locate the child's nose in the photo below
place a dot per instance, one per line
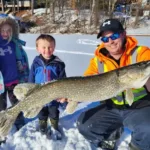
(5, 33)
(47, 49)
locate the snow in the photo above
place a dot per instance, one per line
(69, 16)
(74, 54)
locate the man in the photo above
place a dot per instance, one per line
(105, 122)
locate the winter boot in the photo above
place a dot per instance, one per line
(2, 140)
(108, 145)
(20, 121)
(43, 126)
(133, 147)
(55, 129)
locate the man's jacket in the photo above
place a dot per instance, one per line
(141, 53)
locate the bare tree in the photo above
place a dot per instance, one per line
(111, 7)
(14, 7)
(46, 6)
(18, 5)
(137, 14)
(2, 3)
(32, 7)
(94, 13)
(52, 10)
(61, 6)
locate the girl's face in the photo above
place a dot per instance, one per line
(6, 31)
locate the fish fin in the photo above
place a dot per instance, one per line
(7, 119)
(71, 106)
(24, 89)
(32, 112)
(129, 96)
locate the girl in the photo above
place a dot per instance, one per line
(13, 63)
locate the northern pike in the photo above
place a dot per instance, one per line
(76, 89)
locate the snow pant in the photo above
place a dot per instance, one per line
(13, 101)
(50, 110)
(98, 124)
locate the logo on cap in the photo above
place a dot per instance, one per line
(108, 23)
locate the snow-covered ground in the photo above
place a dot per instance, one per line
(27, 138)
(74, 51)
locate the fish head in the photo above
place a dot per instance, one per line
(136, 75)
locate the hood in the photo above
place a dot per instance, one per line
(13, 23)
(131, 43)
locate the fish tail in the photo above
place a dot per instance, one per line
(7, 120)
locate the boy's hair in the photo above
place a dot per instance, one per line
(46, 37)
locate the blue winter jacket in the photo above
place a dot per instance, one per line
(43, 71)
(13, 61)
(8, 65)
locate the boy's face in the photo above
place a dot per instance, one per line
(6, 31)
(45, 48)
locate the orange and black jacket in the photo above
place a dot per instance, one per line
(102, 56)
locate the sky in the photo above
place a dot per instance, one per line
(76, 51)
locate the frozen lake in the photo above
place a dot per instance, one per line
(75, 49)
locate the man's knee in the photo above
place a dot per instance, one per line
(144, 131)
(141, 137)
(80, 123)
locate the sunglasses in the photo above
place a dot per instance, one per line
(112, 37)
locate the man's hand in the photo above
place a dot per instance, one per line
(148, 85)
(62, 100)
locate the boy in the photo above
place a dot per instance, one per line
(47, 67)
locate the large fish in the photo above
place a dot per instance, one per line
(77, 89)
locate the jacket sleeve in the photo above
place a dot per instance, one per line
(92, 68)
(143, 54)
(62, 72)
(31, 78)
(25, 65)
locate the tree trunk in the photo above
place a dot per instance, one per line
(61, 6)
(94, 13)
(18, 5)
(32, 7)
(14, 8)
(52, 10)
(2, 2)
(137, 15)
(111, 7)
(46, 6)
(103, 5)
